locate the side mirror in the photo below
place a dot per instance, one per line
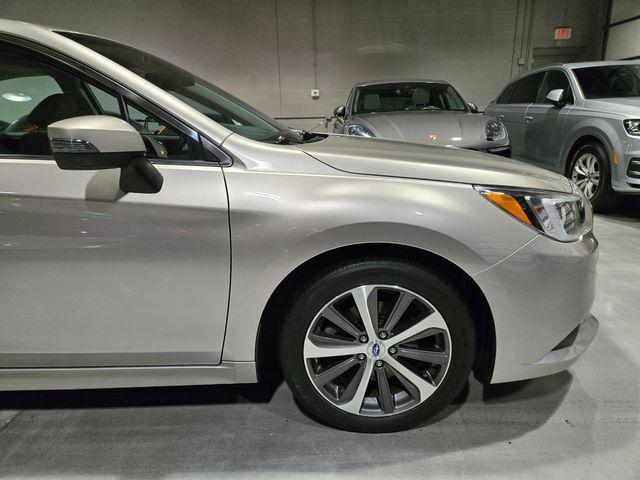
(556, 96)
(339, 112)
(98, 142)
(473, 108)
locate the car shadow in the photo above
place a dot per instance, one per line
(247, 430)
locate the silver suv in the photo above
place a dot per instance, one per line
(581, 120)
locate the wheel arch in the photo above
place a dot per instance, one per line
(592, 135)
(271, 319)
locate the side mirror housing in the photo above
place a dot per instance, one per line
(556, 97)
(473, 108)
(98, 142)
(339, 111)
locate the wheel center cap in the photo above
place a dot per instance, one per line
(376, 349)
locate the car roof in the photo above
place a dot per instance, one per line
(370, 83)
(573, 65)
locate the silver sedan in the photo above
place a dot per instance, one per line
(430, 112)
(155, 230)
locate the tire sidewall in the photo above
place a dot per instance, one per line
(440, 293)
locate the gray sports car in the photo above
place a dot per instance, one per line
(430, 112)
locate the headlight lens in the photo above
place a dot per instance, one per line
(562, 216)
(632, 127)
(495, 130)
(359, 131)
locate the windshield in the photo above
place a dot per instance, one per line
(612, 81)
(397, 97)
(208, 99)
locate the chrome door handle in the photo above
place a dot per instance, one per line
(528, 118)
(501, 116)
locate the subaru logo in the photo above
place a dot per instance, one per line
(375, 350)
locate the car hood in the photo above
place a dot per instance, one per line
(370, 156)
(430, 127)
(624, 106)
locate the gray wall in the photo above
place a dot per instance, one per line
(624, 32)
(269, 53)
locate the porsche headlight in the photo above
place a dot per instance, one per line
(359, 131)
(562, 216)
(495, 130)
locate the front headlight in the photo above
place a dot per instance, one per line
(562, 216)
(632, 127)
(494, 130)
(359, 131)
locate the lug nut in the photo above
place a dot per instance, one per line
(379, 363)
(393, 350)
(363, 339)
(383, 335)
(361, 356)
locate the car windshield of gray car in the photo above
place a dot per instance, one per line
(408, 97)
(215, 103)
(611, 81)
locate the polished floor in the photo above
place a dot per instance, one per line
(581, 424)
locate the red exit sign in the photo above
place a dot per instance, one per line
(562, 33)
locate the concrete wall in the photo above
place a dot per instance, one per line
(273, 52)
(624, 33)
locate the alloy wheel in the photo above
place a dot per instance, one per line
(586, 174)
(377, 350)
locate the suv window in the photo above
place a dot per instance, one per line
(507, 94)
(553, 80)
(526, 89)
(34, 93)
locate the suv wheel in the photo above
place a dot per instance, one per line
(591, 171)
(377, 346)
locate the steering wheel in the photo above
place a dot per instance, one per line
(156, 147)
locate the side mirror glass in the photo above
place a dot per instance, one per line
(473, 108)
(98, 142)
(556, 96)
(339, 112)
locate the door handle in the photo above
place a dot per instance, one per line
(501, 116)
(528, 118)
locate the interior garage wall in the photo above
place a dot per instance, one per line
(273, 52)
(623, 37)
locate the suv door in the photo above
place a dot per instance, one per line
(511, 107)
(544, 123)
(90, 276)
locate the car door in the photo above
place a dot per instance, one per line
(90, 276)
(511, 107)
(545, 122)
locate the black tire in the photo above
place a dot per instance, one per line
(605, 197)
(326, 286)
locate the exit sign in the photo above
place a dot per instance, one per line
(562, 33)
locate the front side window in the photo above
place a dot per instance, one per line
(407, 97)
(208, 99)
(611, 81)
(505, 97)
(34, 94)
(554, 80)
(526, 89)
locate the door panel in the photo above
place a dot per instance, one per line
(544, 123)
(90, 276)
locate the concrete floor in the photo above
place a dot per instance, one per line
(578, 424)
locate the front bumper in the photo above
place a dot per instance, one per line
(540, 297)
